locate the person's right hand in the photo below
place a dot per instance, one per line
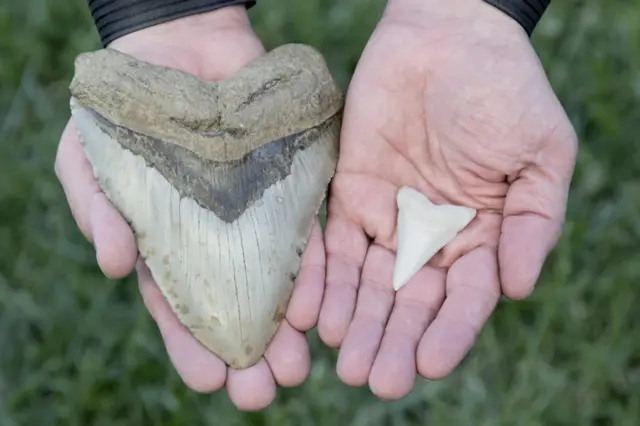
(448, 98)
(212, 46)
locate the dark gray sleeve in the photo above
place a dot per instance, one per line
(526, 12)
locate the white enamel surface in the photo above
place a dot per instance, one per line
(228, 283)
(423, 229)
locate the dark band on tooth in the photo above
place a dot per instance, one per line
(227, 188)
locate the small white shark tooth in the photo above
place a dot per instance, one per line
(220, 181)
(423, 229)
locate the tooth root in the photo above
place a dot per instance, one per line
(423, 229)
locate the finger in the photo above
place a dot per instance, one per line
(524, 245)
(375, 300)
(76, 177)
(252, 389)
(473, 291)
(346, 249)
(394, 370)
(306, 299)
(483, 229)
(534, 215)
(199, 369)
(288, 356)
(96, 218)
(116, 248)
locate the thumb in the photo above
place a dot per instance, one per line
(534, 215)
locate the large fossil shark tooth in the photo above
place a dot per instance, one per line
(220, 181)
(423, 229)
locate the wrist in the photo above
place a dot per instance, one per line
(119, 18)
(211, 45)
(518, 15)
(456, 15)
(190, 29)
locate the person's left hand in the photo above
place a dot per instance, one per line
(448, 98)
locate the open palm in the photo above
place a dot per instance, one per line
(466, 116)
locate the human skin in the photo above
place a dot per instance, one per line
(448, 98)
(212, 46)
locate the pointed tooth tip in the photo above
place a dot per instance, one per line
(399, 282)
(396, 276)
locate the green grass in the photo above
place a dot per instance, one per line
(79, 349)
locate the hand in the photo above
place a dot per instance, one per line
(450, 99)
(212, 46)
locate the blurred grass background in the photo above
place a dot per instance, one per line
(78, 349)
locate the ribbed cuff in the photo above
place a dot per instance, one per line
(115, 18)
(526, 12)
